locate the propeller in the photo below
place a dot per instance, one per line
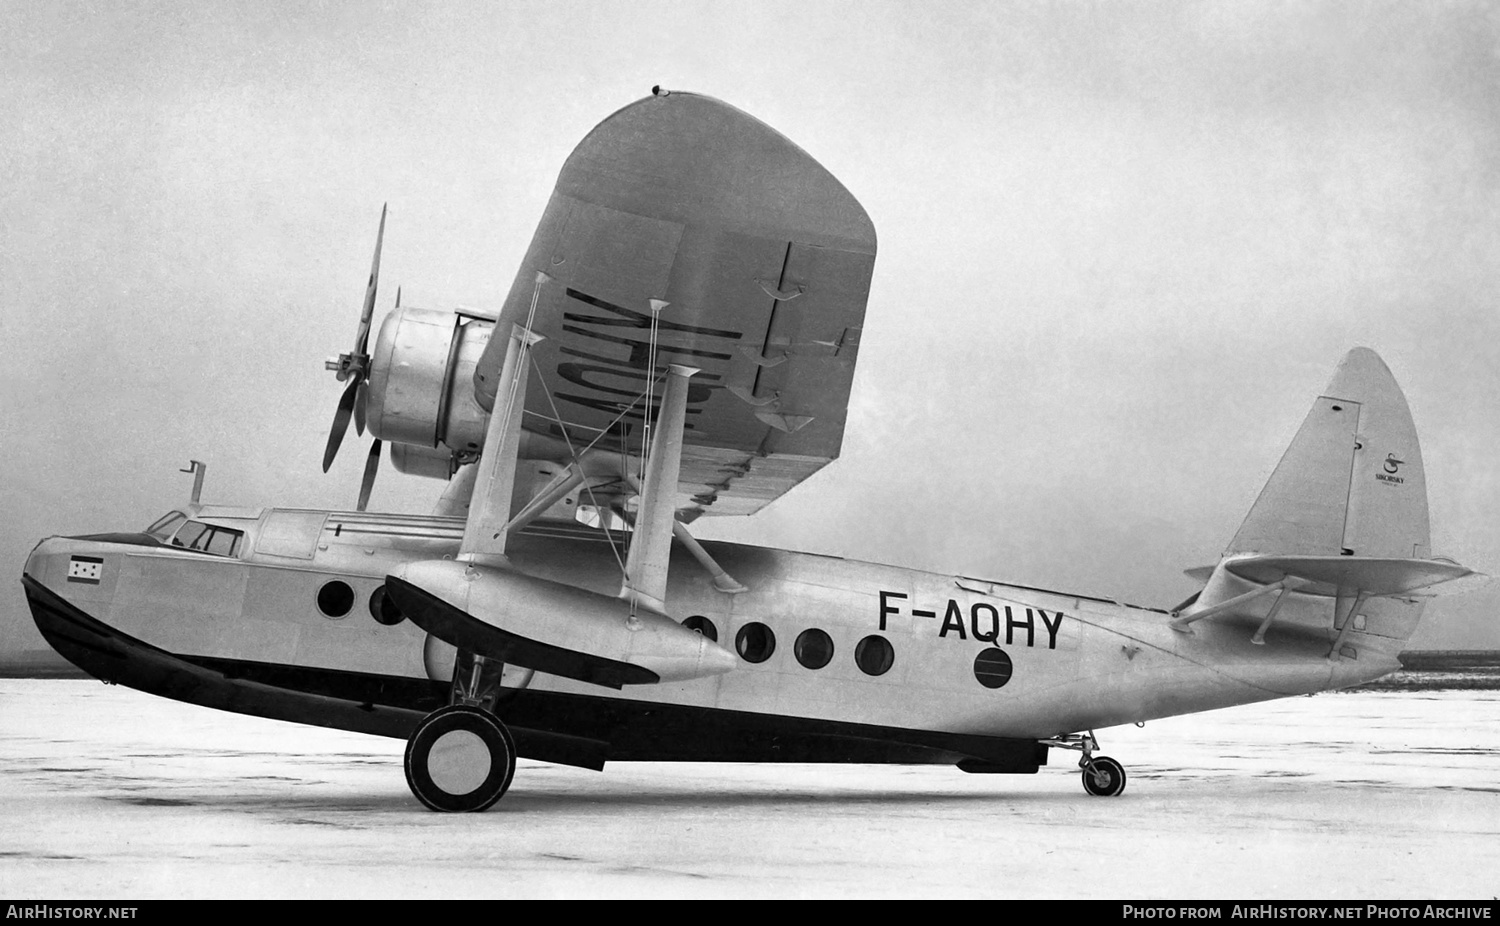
(354, 367)
(360, 396)
(372, 465)
(340, 423)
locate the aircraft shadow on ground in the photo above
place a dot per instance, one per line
(523, 801)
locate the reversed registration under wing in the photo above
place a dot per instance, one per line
(764, 261)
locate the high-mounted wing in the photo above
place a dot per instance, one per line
(764, 261)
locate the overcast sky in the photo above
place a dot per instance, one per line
(1122, 247)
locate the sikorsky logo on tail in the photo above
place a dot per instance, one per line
(1392, 465)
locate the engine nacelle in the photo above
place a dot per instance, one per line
(416, 460)
(421, 393)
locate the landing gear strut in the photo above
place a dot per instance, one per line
(1102, 776)
(462, 757)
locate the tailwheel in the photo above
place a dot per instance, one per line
(460, 758)
(1103, 776)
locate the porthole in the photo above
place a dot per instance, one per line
(813, 648)
(704, 626)
(874, 655)
(335, 598)
(992, 668)
(383, 609)
(755, 642)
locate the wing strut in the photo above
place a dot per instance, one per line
(723, 581)
(645, 584)
(566, 480)
(494, 483)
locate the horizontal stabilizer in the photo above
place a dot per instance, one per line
(466, 632)
(1375, 577)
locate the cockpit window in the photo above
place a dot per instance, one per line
(162, 528)
(220, 541)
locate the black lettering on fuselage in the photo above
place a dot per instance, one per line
(991, 635)
(887, 609)
(953, 620)
(1052, 627)
(1011, 624)
(983, 621)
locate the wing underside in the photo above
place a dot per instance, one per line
(763, 260)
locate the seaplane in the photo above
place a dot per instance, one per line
(678, 343)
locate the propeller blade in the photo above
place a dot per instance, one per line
(372, 465)
(360, 398)
(362, 334)
(340, 423)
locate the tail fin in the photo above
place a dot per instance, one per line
(1339, 534)
(1351, 483)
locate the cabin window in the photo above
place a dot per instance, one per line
(290, 533)
(755, 642)
(220, 541)
(992, 668)
(814, 649)
(335, 598)
(383, 609)
(874, 655)
(704, 626)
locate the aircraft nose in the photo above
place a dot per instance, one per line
(43, 555)
(75, 567)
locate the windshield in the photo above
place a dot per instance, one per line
(210, 538)
(163, 527)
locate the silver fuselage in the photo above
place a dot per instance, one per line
(1075, 662)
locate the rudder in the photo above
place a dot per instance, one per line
(1352, 482)
(1337, 542)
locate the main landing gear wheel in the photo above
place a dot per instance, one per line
(460, 758)
(1103, 777)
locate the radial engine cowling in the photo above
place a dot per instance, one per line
(421, 381)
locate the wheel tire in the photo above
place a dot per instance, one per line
(460, 759)
(1104, 777)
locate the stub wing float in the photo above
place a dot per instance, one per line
(680, 342)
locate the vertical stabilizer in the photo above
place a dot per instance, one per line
(1351, 483)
